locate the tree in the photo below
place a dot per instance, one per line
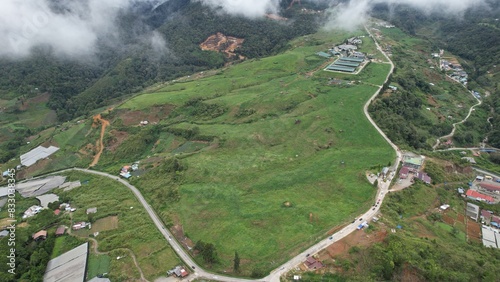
(207, 251)
(375, 183)
(236, 266)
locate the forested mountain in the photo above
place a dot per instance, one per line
(474, 36)
(78, 86)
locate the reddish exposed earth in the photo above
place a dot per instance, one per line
(104, 123)
(357, 238)
(222, 43)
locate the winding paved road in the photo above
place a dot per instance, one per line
(479, 102)
(274, 276)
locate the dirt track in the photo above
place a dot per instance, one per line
(104, 123)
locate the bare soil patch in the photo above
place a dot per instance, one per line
(118, 138)
(97, 119)
(357, 238)
(448, 220)
(473, 230)
(178, 232)
(431, 101)
(221, 43)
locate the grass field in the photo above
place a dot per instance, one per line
(97, 264)
(285, 136)
(135, 230)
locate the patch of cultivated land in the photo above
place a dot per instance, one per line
(123, 224)
(284, 136)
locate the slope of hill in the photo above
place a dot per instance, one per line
(473, 39)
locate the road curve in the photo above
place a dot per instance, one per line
(274, 276)
(198, 271)
(479, 102)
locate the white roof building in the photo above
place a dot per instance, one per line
(37, 154)
(69, 266)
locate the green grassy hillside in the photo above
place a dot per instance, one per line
(251, 137)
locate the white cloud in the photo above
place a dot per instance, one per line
(71, 31)
(74, 30)
(353, 14)
(249, 8)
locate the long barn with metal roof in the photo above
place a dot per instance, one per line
(352, 59)
(347, 64)
(340, 68)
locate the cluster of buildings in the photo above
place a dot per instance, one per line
(31, 211)
(412, 169)
(384, 24)
(484, 189)
(126, 171)
(178, 271)
(490, 234)
(476, 94)
(349, 59)
(479, 188)
(42, 234)
(81, 225)
(455, 71)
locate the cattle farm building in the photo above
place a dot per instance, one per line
(345, 64)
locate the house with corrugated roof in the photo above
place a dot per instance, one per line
(485, 216)
(313, 264)
(40, 235)
(60, 230)
(490, 187)
(423, 177)
(403, 172)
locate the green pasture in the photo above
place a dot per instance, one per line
(286, 136)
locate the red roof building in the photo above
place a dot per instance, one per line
(184, 273)
(403, 172)
(495, 219)
(312, 263)
(490, 187)
(485, 215)
(60, 230)
(471, 194)
(40, 235)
